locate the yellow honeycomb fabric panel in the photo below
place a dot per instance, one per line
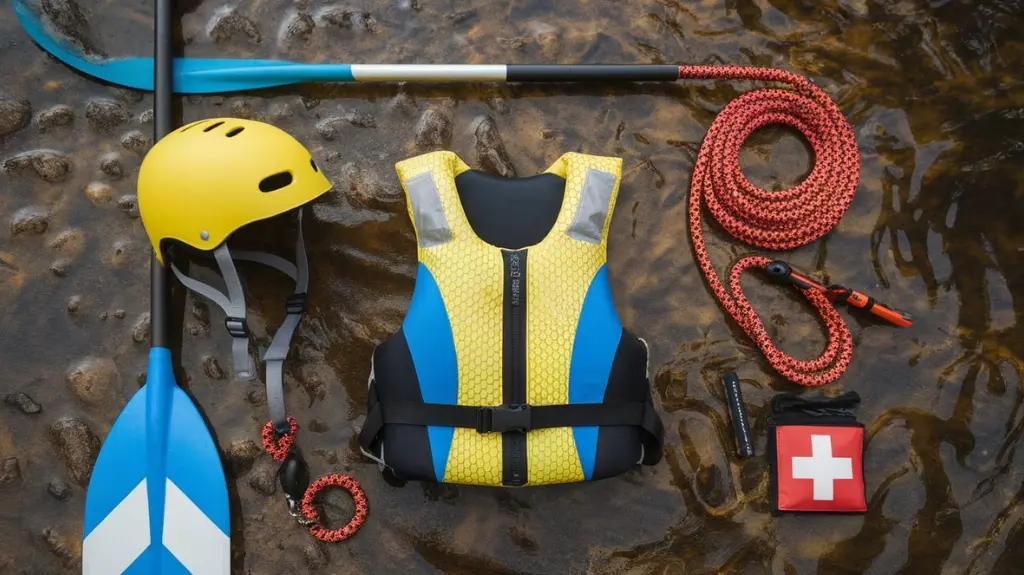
(559, 272)
(469, 275)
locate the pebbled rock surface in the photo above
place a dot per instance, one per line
(935, 98)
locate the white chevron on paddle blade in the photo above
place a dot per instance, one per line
(192, 538)
(120, 538)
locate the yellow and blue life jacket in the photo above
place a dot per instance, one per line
(511, 366)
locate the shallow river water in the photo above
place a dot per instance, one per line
(935, 96)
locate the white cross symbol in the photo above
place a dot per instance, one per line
(822, 467)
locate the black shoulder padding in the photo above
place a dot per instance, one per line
(510, 213)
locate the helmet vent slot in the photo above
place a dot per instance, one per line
(234, 131)
(275, 182)
(208, 128)
(192, 125)
(312, 163)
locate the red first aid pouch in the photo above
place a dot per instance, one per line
(816, 455)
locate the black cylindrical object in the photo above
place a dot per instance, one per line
(738, 415)
(592, 73)
(163, 58)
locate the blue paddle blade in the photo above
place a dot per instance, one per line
(157, 502)
(191, 75)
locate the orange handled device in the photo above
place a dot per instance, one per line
(781, 272)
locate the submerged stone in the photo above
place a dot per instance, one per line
(23, 402)
(99, 193)
(50, 165)
(77, 447)
(60, 489)
(135, 141)
(105, 114)
(61, 267)
(140, 330)
(92, 378)
(111, 165)
(434, 130)
(30, 221)
(300, 26)
(212, 368)
(54, 117)
(225, 24)
(129, 204)
(15, 114)
(490, 148)
(10, 472)
(264, 480)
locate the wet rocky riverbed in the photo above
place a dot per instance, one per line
(932, 89)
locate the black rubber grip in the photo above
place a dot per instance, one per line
(738, 415)
(591, 72)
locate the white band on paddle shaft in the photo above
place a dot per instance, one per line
(233, 305)
(429, 72)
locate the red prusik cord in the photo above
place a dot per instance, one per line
(278, 448)
(775, 220)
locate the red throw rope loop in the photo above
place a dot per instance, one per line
(309, 510)
(775, 220)
(278, 448)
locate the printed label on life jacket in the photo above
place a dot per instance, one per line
(515, 275)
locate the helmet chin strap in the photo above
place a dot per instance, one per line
(233, 304)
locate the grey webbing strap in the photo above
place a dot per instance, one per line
(277, 352)
(209, 292)
(235, 321)
(277, 262)
(233, 305)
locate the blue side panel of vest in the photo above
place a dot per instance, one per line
(597, 339)
(428, 333)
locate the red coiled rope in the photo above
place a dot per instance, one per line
(775, 220)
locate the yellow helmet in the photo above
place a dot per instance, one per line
(201, 182)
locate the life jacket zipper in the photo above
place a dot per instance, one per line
(514, 360)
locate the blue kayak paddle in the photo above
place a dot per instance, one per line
(217, 75)
(157, 502)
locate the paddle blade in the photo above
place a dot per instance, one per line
(131, 72)
(190, 75)
(157, 502)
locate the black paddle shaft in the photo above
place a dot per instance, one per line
(160, 291)
(592, 73)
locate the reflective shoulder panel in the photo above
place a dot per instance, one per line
(591, 185)
(428, 213)
(433, 203)
(592, 212)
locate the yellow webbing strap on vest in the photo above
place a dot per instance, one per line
(469, 275)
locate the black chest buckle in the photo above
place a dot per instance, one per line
(503, 418)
